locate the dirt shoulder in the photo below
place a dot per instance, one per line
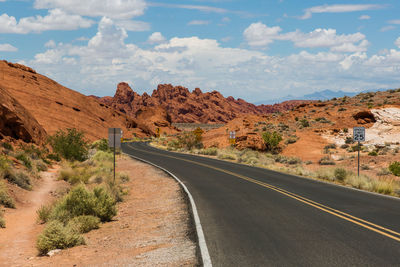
(152, 227)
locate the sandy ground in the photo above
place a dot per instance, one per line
(152, 228)
(17, 241)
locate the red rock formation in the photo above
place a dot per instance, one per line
(18, 123)
(191, 107)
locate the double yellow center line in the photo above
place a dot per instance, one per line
(345, 216)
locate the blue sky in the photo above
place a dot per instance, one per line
(255, 50)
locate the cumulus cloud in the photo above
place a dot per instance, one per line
(7, 48)
(364, 17)
(199, 22)
(133, 25)
(156, 38)
(56, 19)
(394, 21)
(259, 34)
(121, 9)
(204, 63)
(397, 42)
(338, 9)
(50, 44)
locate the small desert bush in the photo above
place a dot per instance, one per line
(304, 123)
(373, 153)
(5, 198)
(383, 172)
(211, 151)
(227, 156)
(101, 145)
(54, 156)
(44, 213)
(84, 223)
(8, 146)
(40, 165)
(70, 144)
(340, 174)
(80, 201)
(272, 140)
(19, 178)
(2, 221)
(58, 236)
(394, 168)
(293, 160)
(25, 160)
(326, 161)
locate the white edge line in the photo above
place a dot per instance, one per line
(205, 256)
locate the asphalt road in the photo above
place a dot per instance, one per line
(256, 217)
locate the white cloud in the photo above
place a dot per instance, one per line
(387, 28)
(259, 34)
(204, 63)
(394, 21)
(191, 7)
(226, 19)
(364, 17)
(50, 44)
(55, 20)
(199, 22)
(156, 38)
(397, 42)
(7, 48)
(119, 9)
(133, 25)
(338, 9)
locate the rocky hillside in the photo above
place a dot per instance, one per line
(45, 103)
(189, 107)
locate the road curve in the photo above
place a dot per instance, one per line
(257, 217)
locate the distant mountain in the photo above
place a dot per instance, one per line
(321, 95)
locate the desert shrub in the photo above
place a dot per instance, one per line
(340, 174)
(70, 145)
(272, 140)
(364, 167)
(344, 146)
(79, 201)
(333, 146)
(281, 159)
(102, 156)
(5, 198)
(345, 130)
(291, 140)
(349, 140)
(212, 151)
(2, 221)
(58, 236)
(54, 156)
(394, 168)
(123, 177)
(383, 172)
(227, 156)
(4, 164)
(373, 153)
(19, 178)
(189, 140)
(83, 224)
(25, 160)
(322, 120)
(356, 148)
(326, 161)
(293, 161)
(40, 165)
(8, 146)
(342, 109)
(101, 144)
(304, 123)
(43, 213)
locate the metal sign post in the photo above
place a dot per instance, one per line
(358, 136)
(114, 141)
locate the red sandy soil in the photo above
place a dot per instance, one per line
(151, 228)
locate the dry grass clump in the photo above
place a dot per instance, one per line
(2, 221)
(5, 198)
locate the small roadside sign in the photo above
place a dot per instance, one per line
(114, 137)
(232, 137)
(359, 134)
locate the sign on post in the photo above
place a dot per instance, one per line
(232, 137)
(114, 141)
(114, 137)
(358, 136)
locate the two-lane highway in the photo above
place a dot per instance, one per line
(257, 217)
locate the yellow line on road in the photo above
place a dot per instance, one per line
(345, 216)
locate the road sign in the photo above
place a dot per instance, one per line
(359, 134)
(232, 137)
(114, 137)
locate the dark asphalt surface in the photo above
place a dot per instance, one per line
(246, 224)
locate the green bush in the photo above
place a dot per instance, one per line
(326, 161)
(272, 140)
(373, 153)
(44, 213)
(101, 145)
(394, 168)
(340, 174)
(8, 146)
(58, 236)
(349, 140)
(5, 198)
(304, 123)
(212, 151)
(70, 145)
(79, 201)
(40, 165)
(54, 157)
(83, 224)
(25, 160)
(19, 178)
(189, 140)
